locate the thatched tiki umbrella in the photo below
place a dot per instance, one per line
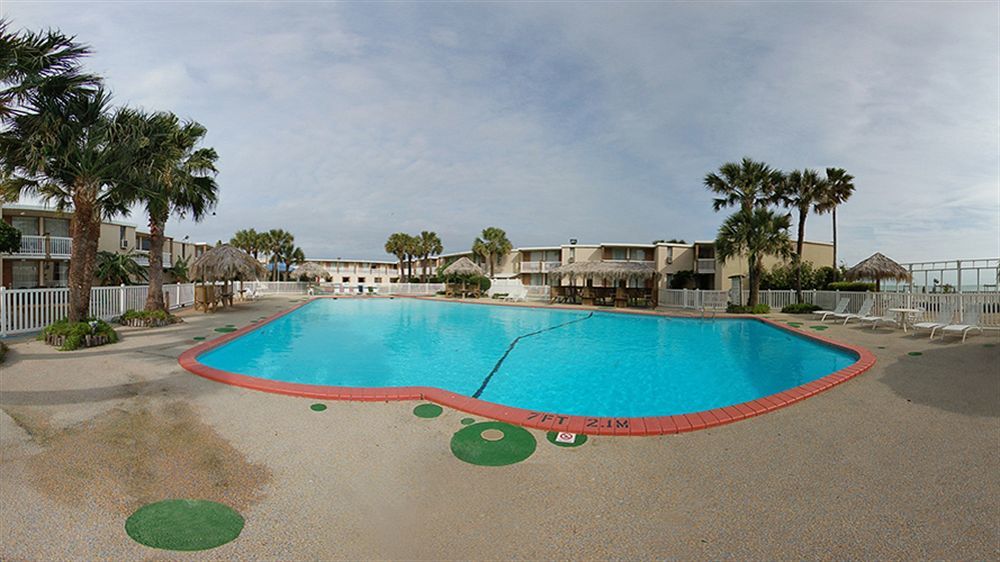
(463, 267)
(310, 269)
(619, 273)
(877, 268)
(225, 263)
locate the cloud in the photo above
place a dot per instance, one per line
(346, 122)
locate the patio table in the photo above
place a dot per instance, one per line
(904, 315)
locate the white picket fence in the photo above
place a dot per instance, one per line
(929, 303)
(30, 310)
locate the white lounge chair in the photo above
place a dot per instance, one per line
(970, 321)
(865, 310)
(877, 319)
(517, 295)
(944, 317)
(841, 308)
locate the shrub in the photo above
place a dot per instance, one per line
(850, 286)
(782, 277)
(801, 308)
(10, 238)
(743, 309)
(499, 296)
(75, 333)
(149, 318)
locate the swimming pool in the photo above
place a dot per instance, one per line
(555, 363)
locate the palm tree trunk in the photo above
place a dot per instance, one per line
(754, 280)
(400, 257)
(423, 274)
(83, 256)
(154, 298)
(798, 254)
(836, 272)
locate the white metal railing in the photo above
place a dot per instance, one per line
(54, 246)
(60, 246)
(930, 304)
(538, 266)
(141, 259)
(30, 310)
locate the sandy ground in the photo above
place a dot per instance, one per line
(902, 462)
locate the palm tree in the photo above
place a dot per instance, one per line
(180, 269)
(174, 177)
(756, 234)
(802, 190)
(492, 245)
(278, 243)
(59, 143)
(397, 246)
(292, 255)
(249, 241)
(70, 152)
(839, 188)
(746, 184)
(118, 269)
(430, 244)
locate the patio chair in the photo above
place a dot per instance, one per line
(517, 295)
(944, 317)
(877, 319)
(841, 308)
(865, 310)
(970, 322)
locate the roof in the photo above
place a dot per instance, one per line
(612, 270)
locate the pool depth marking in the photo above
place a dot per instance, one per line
(653, 425)
(510, 348)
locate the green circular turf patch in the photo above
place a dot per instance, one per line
(580, 440)
(914, 353)
(427, 411)
(317, 407)
(184, 525)
(881, 347)
(515, 445)
(225, 330)
(989, 345)
(819, 328)
(198, 338)
(468, 421)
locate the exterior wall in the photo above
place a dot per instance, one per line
(52, 269)
(819, 254)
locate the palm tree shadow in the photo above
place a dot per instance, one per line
(959, 378)
(101, 393)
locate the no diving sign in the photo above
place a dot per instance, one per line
(565, 437)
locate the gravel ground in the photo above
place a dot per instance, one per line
(902, 462)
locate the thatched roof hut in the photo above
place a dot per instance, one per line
(878, 267)
(463, 266)
(225, 263)
(606, 270)
(311, 270)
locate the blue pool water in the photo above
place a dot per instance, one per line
(582, 363)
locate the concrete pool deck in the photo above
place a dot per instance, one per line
(900, 462)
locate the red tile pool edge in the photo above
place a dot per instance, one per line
(657, 425)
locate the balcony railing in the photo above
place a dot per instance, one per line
(706, 266)
(45, 246)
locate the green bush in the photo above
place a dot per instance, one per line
(802, 308)
(146, 315)
(76, 332)
(743, 309)
(782, 277)
(850, 286)
(10, 238)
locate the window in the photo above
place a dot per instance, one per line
(618, 253)
(345, 279)
(639, 254)
(60, 274)
(122, 238)
(670, 254)
(27, 225)
(24, 275)
(361, 279)
(378, 279)
(57, 227)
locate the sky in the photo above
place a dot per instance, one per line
(343, 123)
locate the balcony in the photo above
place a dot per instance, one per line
(141, 257)
(706, 265)
(58, 247)
(539, 266)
